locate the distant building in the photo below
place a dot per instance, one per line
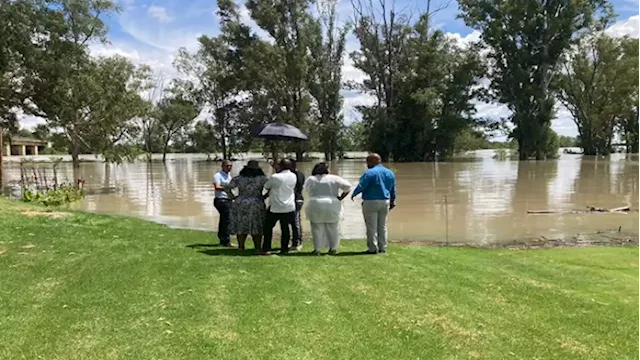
(22, 146)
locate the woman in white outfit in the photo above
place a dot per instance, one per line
(324, 207)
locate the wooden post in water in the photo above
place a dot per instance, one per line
(446, 210)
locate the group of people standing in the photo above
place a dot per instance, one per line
(246, 214)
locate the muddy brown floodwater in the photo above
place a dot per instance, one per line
(486, 199)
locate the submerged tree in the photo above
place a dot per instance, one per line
(174, 113)
(599, 87)
(326, 82)
(423, 83)
(628, 119)
(525, 40)
(289, 63)
(218, 79)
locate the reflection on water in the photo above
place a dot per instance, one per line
(482, 200)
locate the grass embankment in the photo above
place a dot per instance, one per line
(84, 286)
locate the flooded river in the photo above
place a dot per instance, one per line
(477, 199)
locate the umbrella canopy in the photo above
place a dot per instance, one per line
(278, 131)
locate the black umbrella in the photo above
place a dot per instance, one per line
(279, 132)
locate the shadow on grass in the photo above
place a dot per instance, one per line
(195, 246)
(225, 251)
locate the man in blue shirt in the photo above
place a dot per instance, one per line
(378, 188)
(221, 201)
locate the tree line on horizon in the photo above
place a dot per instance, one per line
(424, 84)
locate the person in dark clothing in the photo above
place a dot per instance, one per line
(296, 230)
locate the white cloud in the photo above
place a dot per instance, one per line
(160, 36)
(627, 27)
(159, 13)
(473, 36)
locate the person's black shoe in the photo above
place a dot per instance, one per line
(382, 252)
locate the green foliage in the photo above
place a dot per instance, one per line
(629, 121)
(204, 138)
(326, 80)
(424, 84)
(552, 146)
(526, 41)
(217, 74)
(599, 87)
(290, 64)
(174, 114)
(64, 194)
(567, 141)
(352, 137)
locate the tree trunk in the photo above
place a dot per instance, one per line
(223, 145)
(164, 151)
(75, 155)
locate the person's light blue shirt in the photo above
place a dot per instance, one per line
(377, 183)
(221, 178)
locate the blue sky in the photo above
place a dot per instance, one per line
(151, 31)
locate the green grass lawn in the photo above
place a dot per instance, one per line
(86, 286)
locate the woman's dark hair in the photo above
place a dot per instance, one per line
(320, 169)
(250, 172)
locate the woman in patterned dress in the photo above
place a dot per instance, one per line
(248, 211)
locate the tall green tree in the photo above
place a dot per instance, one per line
(525, 40)
(217, 81)
(95, 107)
(150, 138)
(629, 121)
(423, 83)
(325, 86)
(175, 112)
(599, 86)
(204, 139)
(383, 34)
(434, 103)
(293, 30)
(22, 23)
(66, 88)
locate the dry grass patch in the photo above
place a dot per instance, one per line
(451, 328)
(52, 214)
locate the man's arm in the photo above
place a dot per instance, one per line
(392, 192)
(269, 184)
(345, 186)
(229, 188)
(217, 182)
(362, 185)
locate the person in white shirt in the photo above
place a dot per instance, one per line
(221, 201)
(324, 207)
(282, 206)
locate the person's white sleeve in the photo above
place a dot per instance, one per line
(307, 184)
(344, 184)
(217, 180)
(269, 184)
